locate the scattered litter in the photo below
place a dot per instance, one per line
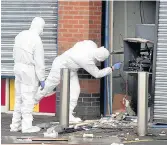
(85, 125)
(87, 135)
(71, 126)
(129, 110)
(111, 123)
(120, 116)
(122, 134)
(113, 115)
(71, 130)
(95, 126)
(49, 139)
(104, 120)
(161, 134)
(24, 140)
(116, 144)
(57, 128)
(86, 128)
(135, 120)
(130, 118)
(44, 125)
(51, 135)
(115, 123)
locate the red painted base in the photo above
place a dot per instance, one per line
(48, 104)
(3, 91)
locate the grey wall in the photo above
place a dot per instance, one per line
(126, 16)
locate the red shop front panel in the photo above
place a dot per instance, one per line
(3, 92)
(48, 104)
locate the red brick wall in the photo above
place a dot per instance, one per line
(80, 20)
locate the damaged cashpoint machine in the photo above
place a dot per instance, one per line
(145, 61)
(135, 37)
(138, 63)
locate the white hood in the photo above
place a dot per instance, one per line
(101, 54)
(37, 25)
(86, 44)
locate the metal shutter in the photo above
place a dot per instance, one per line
(16, 15)
(160, 100)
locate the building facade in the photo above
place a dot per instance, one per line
(67, 22)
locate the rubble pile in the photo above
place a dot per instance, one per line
(112, 122)
(108, 125)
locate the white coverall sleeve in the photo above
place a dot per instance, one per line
(95, 71)
(39, 61)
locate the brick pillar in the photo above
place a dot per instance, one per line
(81, 20)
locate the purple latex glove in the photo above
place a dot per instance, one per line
(42, 84)
(117, 66)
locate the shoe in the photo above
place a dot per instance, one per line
(31, 130)
(73, 119)
(15, 129)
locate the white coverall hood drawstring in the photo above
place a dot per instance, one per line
(37, 25)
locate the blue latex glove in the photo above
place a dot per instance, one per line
(42, 84)
(117, 66)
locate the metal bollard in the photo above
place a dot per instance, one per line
(64, 97)
(142, 103)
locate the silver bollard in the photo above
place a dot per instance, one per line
(142, 103)
(64, 97)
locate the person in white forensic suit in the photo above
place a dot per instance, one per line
(29, 70)
(84, 54)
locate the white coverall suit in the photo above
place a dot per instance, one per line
(29, 69)
(84, 55)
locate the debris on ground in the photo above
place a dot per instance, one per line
(163, 133)
(47, 125)
(130, 118)
(127, 112)
(43, 125)
(110, 122)
(51, 135)
(25, 140)
(87, 135)
(57, 128)
(117, 144)
(105, 127)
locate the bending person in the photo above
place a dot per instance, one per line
(84, 54)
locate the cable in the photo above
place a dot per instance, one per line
(141, 13)
(120, 35)
(125, 83)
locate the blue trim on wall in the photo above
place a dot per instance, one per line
(7, 77)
